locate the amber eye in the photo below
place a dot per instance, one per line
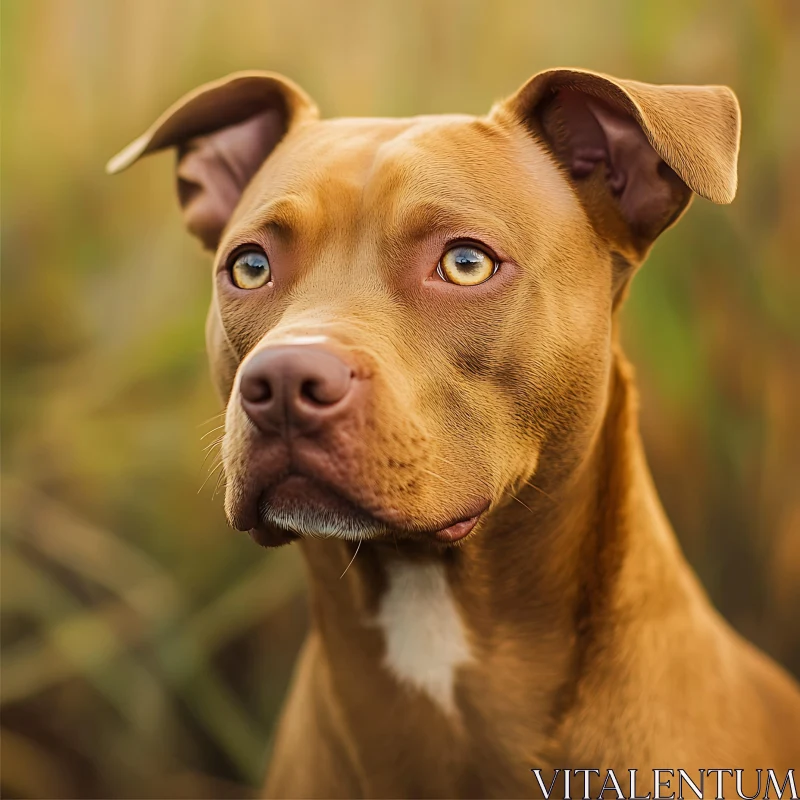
(250, 270)
(466, 265)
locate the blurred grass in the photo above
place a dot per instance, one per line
(146, 648)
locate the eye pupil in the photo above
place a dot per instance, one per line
(254, 260)
(469, 259)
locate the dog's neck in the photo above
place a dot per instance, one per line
(521, 604)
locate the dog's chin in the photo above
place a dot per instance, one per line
(320, 523)
(299, 508)
(306, 508)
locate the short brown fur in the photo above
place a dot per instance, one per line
(593, 643)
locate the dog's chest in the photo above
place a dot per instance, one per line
(425, 637)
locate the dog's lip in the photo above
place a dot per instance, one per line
(458, 530)
(270, 536)
(449, 533)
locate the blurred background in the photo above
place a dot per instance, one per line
(145, 646)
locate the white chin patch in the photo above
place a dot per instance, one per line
(320, 524)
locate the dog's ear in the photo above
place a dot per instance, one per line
(634, 151)
(223, 131)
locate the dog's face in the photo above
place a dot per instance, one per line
(411, 316)
(464, 296)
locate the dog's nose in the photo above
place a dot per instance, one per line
(293, 385)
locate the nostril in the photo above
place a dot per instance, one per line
(310, 390)
(327, 388)
(256, 390)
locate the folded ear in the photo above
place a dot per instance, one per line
(223, 132)
(635, 151)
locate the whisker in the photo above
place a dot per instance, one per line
(521, 503)
(214, 443)
(220, 482)
(358, 547)
(435, 474)
(211, 419)
(205, 459)
(213, 430)
(210, 451)
(541, 491)
(451, 483)
(219, 464)
(442, 458)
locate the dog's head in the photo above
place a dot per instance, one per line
(411, 316)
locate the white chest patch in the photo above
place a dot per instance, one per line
(425, 638)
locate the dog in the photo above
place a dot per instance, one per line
(415, 327)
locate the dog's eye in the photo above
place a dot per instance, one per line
(250, 270)
(466, 265)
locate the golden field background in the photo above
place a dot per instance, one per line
(145, 646)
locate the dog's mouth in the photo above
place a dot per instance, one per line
(301, 507)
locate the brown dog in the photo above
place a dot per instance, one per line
(414, 325)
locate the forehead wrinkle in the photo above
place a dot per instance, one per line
(284, 212)
(417, 221)
(285, 215)
(319, 182)
(390, 181)
(427, 180)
